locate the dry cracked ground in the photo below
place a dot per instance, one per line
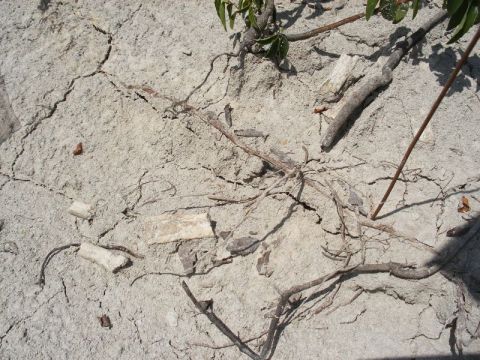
(101, 73)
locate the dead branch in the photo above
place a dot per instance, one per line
(205, 309)
(325, 28)
(434, 108)
(374, 82)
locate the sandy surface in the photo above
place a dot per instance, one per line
(74, 74)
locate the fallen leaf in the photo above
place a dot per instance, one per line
(105, 321)
(78, 149)
(320, 109)
(464, 205)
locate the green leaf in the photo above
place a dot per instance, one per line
(231, 15)
(388, 9)
(267, 40)
(259, 4)
(243, 6)
(273, 49)
(283, 47)
(416, 4)
(251, 18)
(278, 46)
(468, 21)
(453, 6)
(371, 4)
(221, 14)
(400, 13)
(217, 6)
(459, 15)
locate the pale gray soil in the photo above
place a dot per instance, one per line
(68, 77)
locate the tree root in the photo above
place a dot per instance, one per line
(402, 271)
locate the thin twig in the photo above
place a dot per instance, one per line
(50, 255)
(215, 265)
(212, 62)
(434, 108)
(244, 348)
(325, 28)
(218, 347)
(124, 249)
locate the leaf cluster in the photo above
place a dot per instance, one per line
(392, 10)
(248, 9)
(276, 45)
(463, 13)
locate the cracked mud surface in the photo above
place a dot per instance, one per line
(81, 72)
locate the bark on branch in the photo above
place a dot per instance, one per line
(374, 82)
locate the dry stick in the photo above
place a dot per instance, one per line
(218, 347)
(220, 325)
(124, 249)
(325, 28)
(50, 255)
(434, 108)
(275, 163)
(214, 265)
(372, 83)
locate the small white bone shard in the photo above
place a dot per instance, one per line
(103, 257)
(81, 210)
(167, 228)
(340, 74)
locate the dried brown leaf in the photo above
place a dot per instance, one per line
(78, 149)
(464, 206)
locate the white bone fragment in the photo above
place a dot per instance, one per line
(168, 227)
(81, 210)
(340, 74)
(103, 257)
